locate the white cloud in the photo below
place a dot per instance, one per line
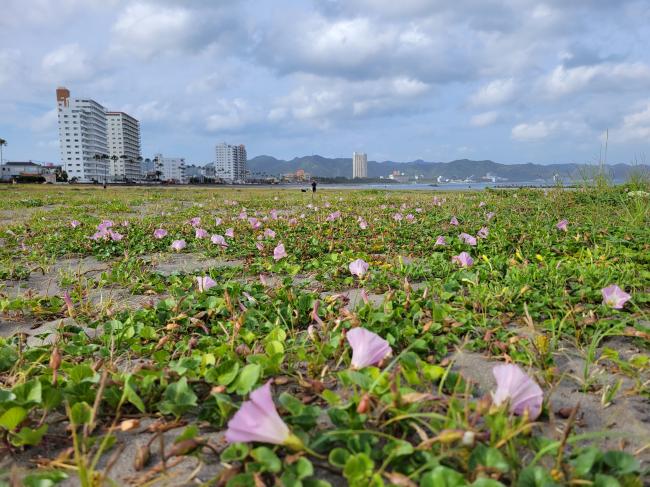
(67, 63)
(635, 126)
(9, 59)
(151, 111)
(495, 93)
(146, 30)
(230, 115)
(604, 76)
(362, 47)
(45, 122)
(570, 124)
(532, 131)
(320, 99)
(484, 119)
(210, 83)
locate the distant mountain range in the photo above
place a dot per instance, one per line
(459, 169)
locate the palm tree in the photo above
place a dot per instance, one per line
(3, 142)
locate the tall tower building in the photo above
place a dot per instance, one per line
(82, 138)
(359, 165)
(230, 162)
(123, 146)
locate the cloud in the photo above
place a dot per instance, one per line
(231, 115)
(395, 77)
(484, 119)
(9, 59)
(146, 30)
(496, 92)
(67, 63)
(606, 76)
(357, 48)
(211, 82)
(635, 126)
(532, 131)
(45, 122)
(321, 100)
(152, 111)
(567, 124)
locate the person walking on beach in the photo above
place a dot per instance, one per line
(313, 185)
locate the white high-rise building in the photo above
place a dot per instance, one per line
(359, 165)
(230, 163)
(172, 169)
(82, 138)
(123, 146)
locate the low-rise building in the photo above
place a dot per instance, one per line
(17, 170)
(170, 169)
(297, 177)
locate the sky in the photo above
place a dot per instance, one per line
(508, 80)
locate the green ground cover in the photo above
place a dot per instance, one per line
(116, 367)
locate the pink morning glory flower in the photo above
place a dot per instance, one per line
(101, 234)
(268, 233)
(219, 240)
(562, 225)
(258, 420)
(178, 245)
(363, 224)
(160, 233)
(274, 214)
(254, 223)
(195, 222)
(368, 348)
(463, 259)
(482, 204)
(441, 241)
(293, 222)
(230, 233)
(279, 252)
(204, 283)
(453, 221)
(483, 232)
(410, 217)
(467, 238)
(218, 221)
(115, 236)
(243, 215)
(75, 223)
(522, 393)
(358, 267)
(333, 216)
(615, 297)
(397, 217)
(200, 233)
(259, 245)
(490, 215)
(437, 201)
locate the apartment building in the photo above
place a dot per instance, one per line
(82, 138)
(230, 162)
(359, 165)
(124, 146)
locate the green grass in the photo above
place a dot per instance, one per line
(417, 420)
